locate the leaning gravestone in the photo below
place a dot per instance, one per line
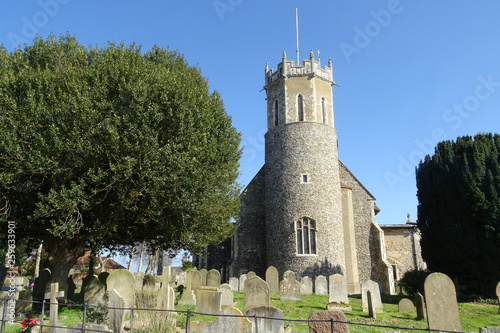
(122, 281)
(420, 305)
(93, 290)
(306, 287)
(273, 279)
(196, 280)
(234, 283)
(269, 319)
(243, 278)
(116, 305)
(406, 305)
(289, 287)
(213, 278)
(41, 284)
(337, 299)
(256, 293)
(374, 289)
(226, 298)
(441, 299)
(320, 322)
(320, 285)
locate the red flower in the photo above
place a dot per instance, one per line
(28, 323)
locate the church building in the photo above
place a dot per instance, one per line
(304, 210)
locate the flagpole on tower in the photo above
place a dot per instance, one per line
(297, 34)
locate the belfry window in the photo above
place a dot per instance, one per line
(305, 229)
(323, 110)
(300, 107)
(276, 113)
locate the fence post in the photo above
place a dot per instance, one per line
(4, 314)
(131, 320)
(332, 321)
(188, 320)
(256, 325)
(42, 317)
(84, 322)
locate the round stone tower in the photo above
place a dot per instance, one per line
(303, 209)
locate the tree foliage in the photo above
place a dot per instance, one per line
(458, 190)
(112, 146)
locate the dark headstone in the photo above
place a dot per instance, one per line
(420, 305)
(326, 326)
(71, 287)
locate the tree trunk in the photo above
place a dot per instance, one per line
(38, 258)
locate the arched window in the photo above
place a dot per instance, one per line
(305, 229)
(300, 107)
(323, 110)
(276, 113)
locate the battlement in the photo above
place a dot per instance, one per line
(309, 67)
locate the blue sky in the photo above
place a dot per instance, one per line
(410, 72)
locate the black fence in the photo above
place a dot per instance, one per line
(86, 326)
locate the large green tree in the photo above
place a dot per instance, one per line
(111, 146)
(458, 190)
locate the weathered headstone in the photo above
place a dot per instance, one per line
(203, 273)
(122, 281)
(273, 279)
(320, 285)
(256, 293)
(371, 309)
(138, 281)
(374, 288)
(93, 290)
(318, 323)
(165, 298)
(231, 320)
(208, 300)
(54, 303)
(24, 302)
(406, 305)
(337, 299)
(234, 283)
(306, 287)
(188, 297)
(226, 295)
(498, 296)
(420, 305)
(270, 319)
(195, 280)
(42, 284)
(489, 329)
(441, 301)
(289, 287)
(243, 278)
(116, 306)
(213, 278)
(150, 283)
(251, 274)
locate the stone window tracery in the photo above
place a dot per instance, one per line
(305, 230)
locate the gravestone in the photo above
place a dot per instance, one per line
(489, 329)
(181, 279)
(289, 287)
(116, 310)
(213, 278)
(93, 290)
(165, 298)
(441, 301)
(273, 279)
(251, 274)
(374, 289)
(195, 280)
(71, 287)
(203, 273)
(208, 300)
(320, 285)
(122, 281)
(231, 320)
(306, 287)
(406, 305)
(226, 298)
(371, 310)
(24, 302)
(324, 326)
(273, 321)
(498, 296)
(103, 277)
(138, 281)
(54, 303)
(337, 298)
(150, 283)
(420, 305)
(188, 297)
(243, 278)
(234, 283)
(42, 284)
(256, 293)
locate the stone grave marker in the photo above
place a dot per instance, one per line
(208, 300)
(337, 298)
(489, 329)
(138, 281)
(306, 287)
(165, 298)
(213, 278)
(71, 287)
(243, 278)
(406, 305)
(150, 283)
(116, 310)
(234, 283)
(256, 293)
(53, 296)
(420, 305)
(326, 326)
(251, 274)
(289, 287)
(230, 321)
(371, 309)
(122, 281)
(320, 285)
(42, 285)
(93, 291)
(24, 301)
(226, 295)
(188, 297)
(264, 325)
(195, 280)
(498, 295)
(273, 279)
(441, 301)
(103, 277)
(203, 273)
(374, 289)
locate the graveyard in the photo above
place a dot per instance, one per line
(121, 301)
